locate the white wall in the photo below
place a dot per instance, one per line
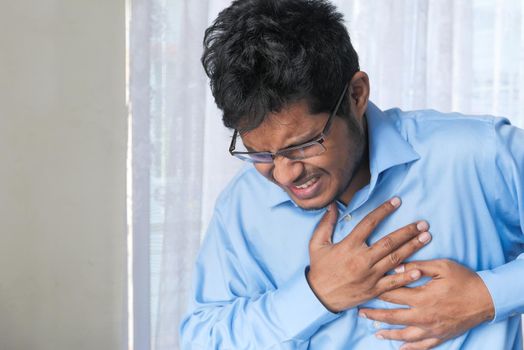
(62, 174)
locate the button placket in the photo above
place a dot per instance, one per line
(338, 233)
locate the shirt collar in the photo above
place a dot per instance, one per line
(387, 148)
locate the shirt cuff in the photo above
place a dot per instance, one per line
(298, 310)
(506, 286)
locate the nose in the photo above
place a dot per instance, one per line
(286, 171)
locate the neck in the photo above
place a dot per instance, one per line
(360, 178)
(362, 174)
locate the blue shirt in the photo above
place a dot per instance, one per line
(463, 174)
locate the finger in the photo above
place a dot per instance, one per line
(429, 268)
(408, 334)
(364, 228)
(396, 239)
(425, 344)
(324, 230)
(392, 316)
(396, 257)
(393, 282)
(403, 296)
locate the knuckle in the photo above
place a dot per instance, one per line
(428, 320)
(374, 291)
(395, 282)
(363, 264)
(370, 221)
(394, 258)
(346, 247)
(397, 335)
(440, 329)
(387, 243)
(371, 265)
(444, 264)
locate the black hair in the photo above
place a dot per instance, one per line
(262, 55)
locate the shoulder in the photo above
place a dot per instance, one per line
(244, 206)
(248, 189)
(447, 133)
(440, 126)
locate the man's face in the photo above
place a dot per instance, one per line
(314, 182)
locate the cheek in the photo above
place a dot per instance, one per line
(264, 169)
(340, 167)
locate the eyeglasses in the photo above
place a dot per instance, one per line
(305, 150)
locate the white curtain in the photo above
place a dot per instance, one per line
(451, 55)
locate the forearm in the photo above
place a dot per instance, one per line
(506, 282)
(506, 287)
(290, 314)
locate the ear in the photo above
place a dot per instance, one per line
(359, 94)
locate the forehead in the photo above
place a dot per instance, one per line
(292, 125)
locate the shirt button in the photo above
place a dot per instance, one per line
(348, 217)
(376, 324)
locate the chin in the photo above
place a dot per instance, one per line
(313, 203)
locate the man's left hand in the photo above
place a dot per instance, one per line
(452, 302)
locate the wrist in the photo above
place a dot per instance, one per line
(313, 285)
(487, 306)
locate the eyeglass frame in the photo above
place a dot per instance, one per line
(318, 140)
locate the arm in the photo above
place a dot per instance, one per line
(457, 299)
(235, 306)
(229, 313)
(505, 283)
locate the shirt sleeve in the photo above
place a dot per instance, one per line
(236, 306)
(506, 283)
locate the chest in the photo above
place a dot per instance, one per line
(462, 223)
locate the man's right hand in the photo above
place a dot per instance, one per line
(349, 273)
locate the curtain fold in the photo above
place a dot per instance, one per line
(451, 55)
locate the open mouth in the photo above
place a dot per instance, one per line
(308, 183)
(307, 189)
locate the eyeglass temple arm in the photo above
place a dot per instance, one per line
(337, 106)
(233, 141)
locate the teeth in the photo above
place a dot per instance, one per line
(307, 184)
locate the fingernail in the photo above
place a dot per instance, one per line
(379, 336)
(361, 314)
(414, 274)
(424, 237)
(400, 269)
(395, 201)
(422, 226)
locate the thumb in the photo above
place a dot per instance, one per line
(324, 230)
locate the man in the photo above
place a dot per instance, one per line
(307, 248)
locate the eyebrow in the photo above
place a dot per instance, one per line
(294, 144)
(306, 140)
